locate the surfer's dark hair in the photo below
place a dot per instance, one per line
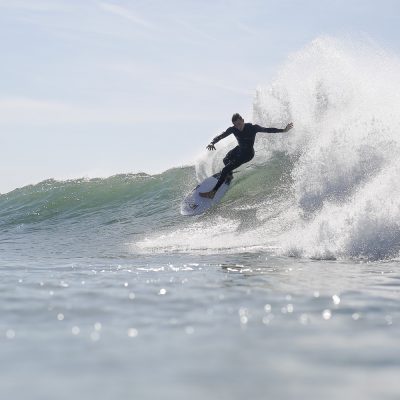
(235, 117)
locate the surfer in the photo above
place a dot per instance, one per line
(245, 134)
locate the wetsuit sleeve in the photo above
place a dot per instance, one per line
(221, 136)
(259, 128)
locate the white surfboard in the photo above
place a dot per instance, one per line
(194, 204)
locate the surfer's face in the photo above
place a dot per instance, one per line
(239, 124)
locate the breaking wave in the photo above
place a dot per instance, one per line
(328, 189)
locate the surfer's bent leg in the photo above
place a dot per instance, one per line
(231, 155)
(232, 164)
(224, 174)
(226, 171)
(232, 160)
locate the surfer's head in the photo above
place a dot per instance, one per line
(238, 121)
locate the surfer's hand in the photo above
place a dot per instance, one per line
(210, 147)
(288, 127)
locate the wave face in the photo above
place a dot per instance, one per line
(328, 189)
(89, 217)
(133, 195)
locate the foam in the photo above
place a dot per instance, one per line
(347, 141)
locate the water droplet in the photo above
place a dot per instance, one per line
(267, 308)
(356, 316)
(336, 299)
(189, 330)
(95, 336)
(75, 330)
(326, 314)
(60, 317)
(304, 319)
(162, 291)
(267, 319)
(243, 311)
(132, 332)
(131, 296)
(10, 334)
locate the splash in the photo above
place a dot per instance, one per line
(343, 98)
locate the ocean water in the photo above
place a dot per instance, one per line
(287, 289)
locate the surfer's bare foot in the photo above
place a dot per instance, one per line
(208, 195)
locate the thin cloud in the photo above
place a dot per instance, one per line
(214, 83)
(29, 5)
(190, 28)
(127, 14)
(23, 111)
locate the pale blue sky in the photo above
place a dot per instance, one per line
(95, 88)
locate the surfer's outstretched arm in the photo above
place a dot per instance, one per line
(274, 130)
(218, 138)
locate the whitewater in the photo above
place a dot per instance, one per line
(289, 287)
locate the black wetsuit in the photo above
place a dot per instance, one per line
(242, 153)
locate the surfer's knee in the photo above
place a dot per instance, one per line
(226, 170)
(227, 159)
